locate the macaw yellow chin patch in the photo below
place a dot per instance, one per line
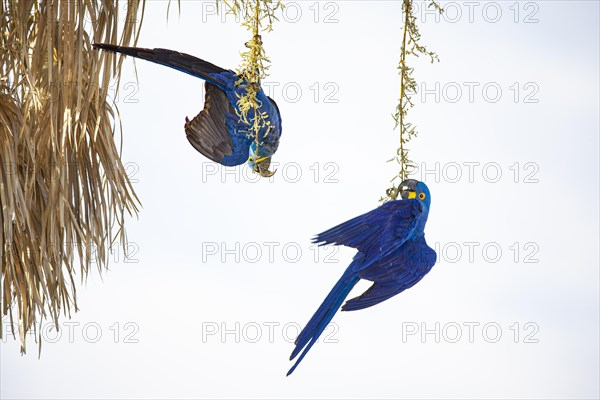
(412, 195)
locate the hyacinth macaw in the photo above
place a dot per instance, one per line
(217, 131)
(392, 253)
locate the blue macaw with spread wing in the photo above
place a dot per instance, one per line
(217, 131)
(392, 253)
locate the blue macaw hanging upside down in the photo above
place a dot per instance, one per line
(392, 253)
(217, 131)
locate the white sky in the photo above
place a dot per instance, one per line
(223, 271)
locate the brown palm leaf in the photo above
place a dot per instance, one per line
(64, 192)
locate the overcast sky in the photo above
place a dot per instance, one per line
(221, 272)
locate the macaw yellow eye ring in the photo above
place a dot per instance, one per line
(250, 159)
(422, 196)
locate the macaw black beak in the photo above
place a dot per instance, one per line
(262, 167)
(408, 189)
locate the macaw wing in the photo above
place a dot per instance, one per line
(383, 290)
(379, 292)
(270, 138)
(212, 132)
(275, 118)
(275, 106)
(377, 232)
(394, 273)
(173, 59)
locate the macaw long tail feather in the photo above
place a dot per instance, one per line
(323, 316)
(173, 59)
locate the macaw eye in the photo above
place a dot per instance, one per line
(422, 196)
(250, 159)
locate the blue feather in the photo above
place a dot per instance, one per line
(225, 139)
(324, 314)
(392, 253)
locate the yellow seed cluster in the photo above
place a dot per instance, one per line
(257, 15)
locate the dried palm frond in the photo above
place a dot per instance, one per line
(64, 192)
